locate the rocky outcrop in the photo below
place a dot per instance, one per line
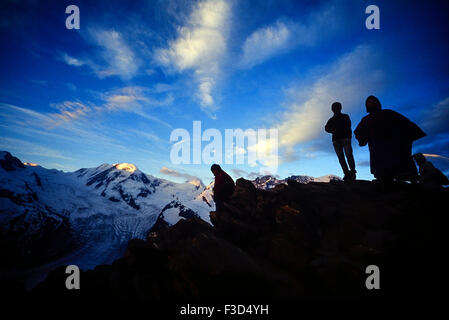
(181, 211)
(32, 239)
(293, 242)
(9, 162)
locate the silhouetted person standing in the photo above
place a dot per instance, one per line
(223, 187)
(340, 127)
(389, 136)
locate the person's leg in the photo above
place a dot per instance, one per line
(348, 151)
(349, 155)
(338, 147)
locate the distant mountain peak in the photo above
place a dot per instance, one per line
(268, 182)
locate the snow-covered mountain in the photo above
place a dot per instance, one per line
(50, 218)
(269, 182)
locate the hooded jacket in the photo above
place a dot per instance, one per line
(389, 136)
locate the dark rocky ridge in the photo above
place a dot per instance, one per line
(10, 163)
(293, 242)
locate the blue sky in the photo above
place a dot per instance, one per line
(114, 90)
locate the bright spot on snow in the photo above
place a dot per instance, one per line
(126, 166)
(31, 164)
(195, 182)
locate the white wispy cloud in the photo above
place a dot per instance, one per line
(237, 173)
(200, 47)
(285, 34)
(132, 99)
(71, 61)
(266, 42)
(40, 125)
(25, 147)
(117, 53)
(70, 110)
(62, 167)
(153, 118)
(349, 80)
(9, 110)
(148, 135)
(64, 127)
(114, 56)
(177, 174)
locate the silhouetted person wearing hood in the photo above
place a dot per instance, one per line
(430, 177)
(340, 127)
(389, 136)
(223, 187)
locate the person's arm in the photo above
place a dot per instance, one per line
(218, 187)
(349, 124)
(329, 127)
(230, 185)
(361, 133)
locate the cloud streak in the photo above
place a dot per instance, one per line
(177, 174)
(285, 35)
(117, 56)
(267, 42)
(71, 61)
(430, 155)
(128, 99)
(39, 125)
(21, 146)
(437, 118)
(200, 47)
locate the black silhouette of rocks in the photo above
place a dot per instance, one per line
(9, 162)
(296, 241)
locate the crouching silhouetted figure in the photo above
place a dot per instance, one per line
(223, 187)
(430, 177)
(340, 127)
(389, 136)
